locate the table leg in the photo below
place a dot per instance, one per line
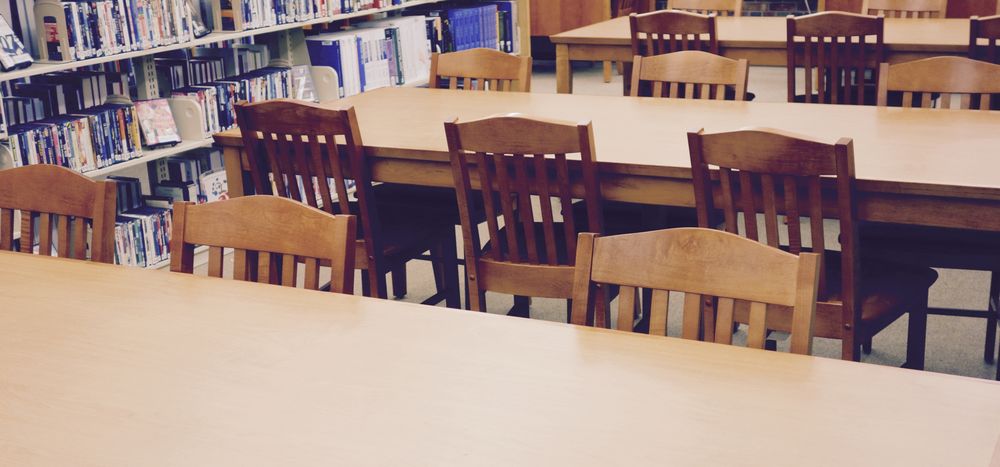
(564, 70)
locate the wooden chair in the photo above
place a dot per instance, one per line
(666, 31)
(707, 7)
(974, 82)
(51, 197)
(905, 8)
(520, 158)
(984, 38)
(771, 173)
(690, 74)
(291, 153)
(624, 8)
(279, 232)
(839, 54)
(481, 70)
(701, 263)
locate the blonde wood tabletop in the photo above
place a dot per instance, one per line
(917, 166)
(152, 368)
(760, 40)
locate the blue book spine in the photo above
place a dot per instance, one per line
(361, 62)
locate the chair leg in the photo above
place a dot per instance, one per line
(521, 307)
(993, 312)
(398, 273)
(916, 338)
(449, 268)
(366, 283)
(607, 72)
(866, 346)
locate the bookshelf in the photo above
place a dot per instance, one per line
(285, 46)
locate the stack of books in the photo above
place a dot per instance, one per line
(196, 176)
(142, 227)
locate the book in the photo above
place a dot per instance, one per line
(214, 186)
(157, 123)
(13, 55)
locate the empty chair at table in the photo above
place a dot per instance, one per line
(943, 83)
(690, 74)
(905, 8)
(63, 209)
(292, 152)
(833, 58)
(481, 70)
(769, 173)
(706, 7)
(701, 263)
(984, 38)
(665, 31)
(504, 162)
(279, 232)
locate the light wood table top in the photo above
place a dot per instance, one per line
(116, 366)
(945, 152)
(949, 35)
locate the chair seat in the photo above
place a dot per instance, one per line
(404, 230)
(624, 218)
(425, 197)
(931, 246)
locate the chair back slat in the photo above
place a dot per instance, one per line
(708, 7)
(518, 167)
(699, 263)
(666, 31)
(269, 235)
(836, 53)
(481, 70)
(60, 207)
(916, 9)
(918, 82)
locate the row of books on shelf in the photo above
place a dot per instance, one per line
(390, 52)
(143, 224)
(217, 99)
(182, 68)
(77, 30)
(239, 15)
(462, 26)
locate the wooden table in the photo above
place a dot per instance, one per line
(915, 166)
(759, 40)
(120, 367)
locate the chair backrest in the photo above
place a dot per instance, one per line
(292, 151)
(666, 31)
(905, 8)
(836, 51)
(705, 7)
(520, 158)
(627, 7)
(690, 74)
(974, 81)
(700, 263)
(58, 199)
(984, 38)
(481, 70)
(278, 231)
(768, 172)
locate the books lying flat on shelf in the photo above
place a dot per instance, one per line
(12, 52)
(157, 123)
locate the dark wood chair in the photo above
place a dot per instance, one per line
(905, 8)
(984, 38)
(771, 173)
(293, 153)
(505, 161)
(279, 232)
(974, 83)
(666, 31)
(690, 74)
(708, 7)
(838, 55)
(701, 263)
(481, 70)
(49, 198)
